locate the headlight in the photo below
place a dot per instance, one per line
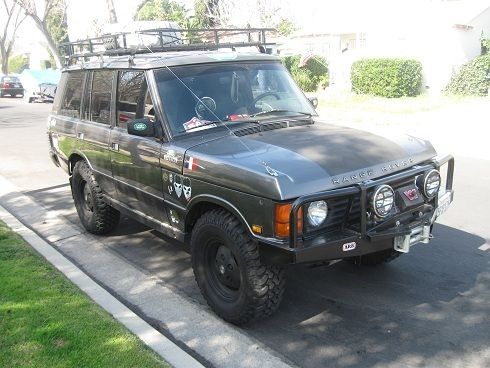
(383, 200)
(429, 183)
(317, 213)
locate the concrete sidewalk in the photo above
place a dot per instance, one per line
(190, 325)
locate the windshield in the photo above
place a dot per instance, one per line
(204, 96)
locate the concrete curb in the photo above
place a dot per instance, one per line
(151, 337)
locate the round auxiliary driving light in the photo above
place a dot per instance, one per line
(429, 183)
(383, 200)
(317, 213)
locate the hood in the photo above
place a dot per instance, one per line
(307, 159)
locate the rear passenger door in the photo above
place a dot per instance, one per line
(94, 130)
(135, 160)
(66, 114)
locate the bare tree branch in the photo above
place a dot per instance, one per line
(40, 21)
(7, 39)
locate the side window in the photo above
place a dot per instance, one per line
(72, 98)
(149, 110)
(100, 99)
(86, 96)
(59, 92)
(131, 95)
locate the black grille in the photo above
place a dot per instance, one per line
(346, 212)
(247, 131)
(339, 210)
(263, 127)
(273, 126)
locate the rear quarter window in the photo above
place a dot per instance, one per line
(60, 89)
(72, 96)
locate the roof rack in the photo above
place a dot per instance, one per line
(165, 39)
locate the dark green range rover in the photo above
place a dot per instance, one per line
(221, 150)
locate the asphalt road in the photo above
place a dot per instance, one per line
(429, 308)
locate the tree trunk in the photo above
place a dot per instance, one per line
(51, 44)
(5, 59)
(112, 11)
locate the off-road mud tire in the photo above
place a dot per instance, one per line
(375, 259)
(97, 217)
(261, 287)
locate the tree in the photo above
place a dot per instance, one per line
(18, 63)
(206, 14)
(162, 10)
(285, 27)
(42, 21)
(112, 11)
(13, 19)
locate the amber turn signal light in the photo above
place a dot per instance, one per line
(281, 220)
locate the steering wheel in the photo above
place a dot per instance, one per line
(205, 108)
(260, 97)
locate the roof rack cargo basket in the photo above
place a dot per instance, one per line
(165, 39)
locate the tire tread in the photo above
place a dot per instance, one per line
(106, 218)
(267, 282)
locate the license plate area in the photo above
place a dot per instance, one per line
(443, 203)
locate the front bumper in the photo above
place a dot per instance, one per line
(399, 232)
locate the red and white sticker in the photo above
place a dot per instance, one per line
(198, 124)
(190, 163)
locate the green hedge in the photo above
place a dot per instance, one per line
(485, 46)
(472, 79)
(387, 77)
(313, 75)
(18, 63)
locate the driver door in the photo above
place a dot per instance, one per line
(135, 159)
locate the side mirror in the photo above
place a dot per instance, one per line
(313, 101)
(141, 127)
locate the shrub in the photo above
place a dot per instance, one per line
(387, 77)
(485, 46)
(17, 63)
(309, 77)
(472, 78)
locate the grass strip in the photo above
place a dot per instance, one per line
(46, 321)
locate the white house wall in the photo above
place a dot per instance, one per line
(421, 30)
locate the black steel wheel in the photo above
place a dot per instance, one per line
(227, 268)
(95, 213)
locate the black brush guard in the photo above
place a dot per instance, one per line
(324, 247)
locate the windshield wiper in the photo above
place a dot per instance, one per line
(280, 110)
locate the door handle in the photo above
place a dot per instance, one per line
(115, 146)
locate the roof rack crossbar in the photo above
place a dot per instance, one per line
(165, 39)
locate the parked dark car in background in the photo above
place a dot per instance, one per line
(10, 85)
